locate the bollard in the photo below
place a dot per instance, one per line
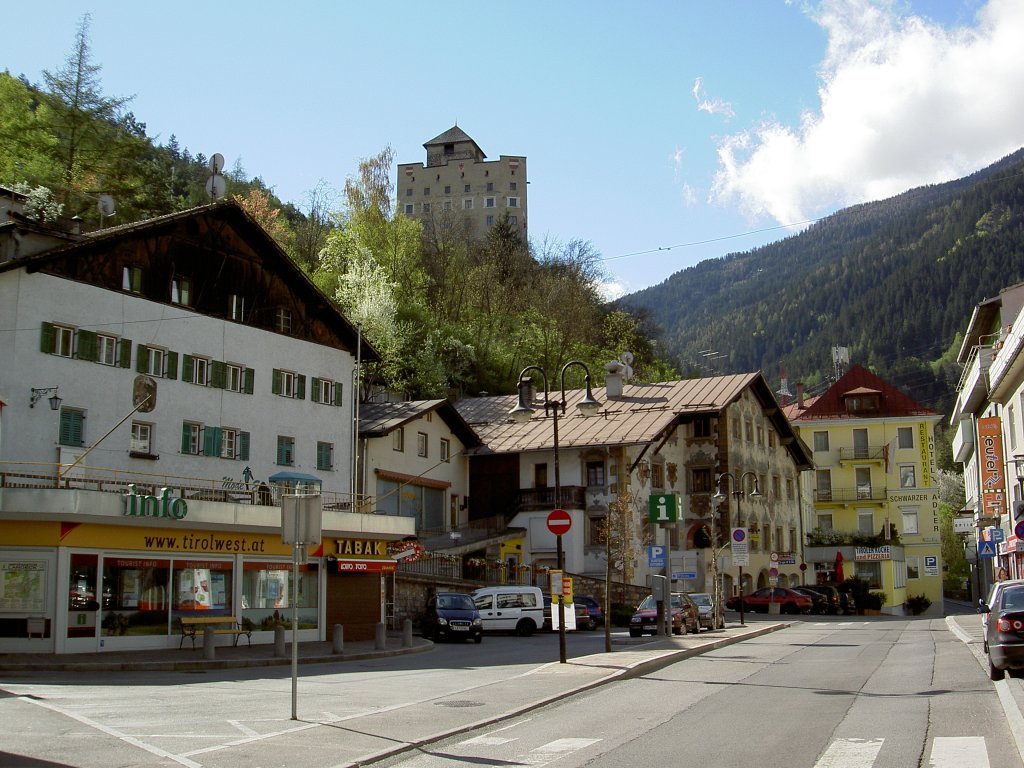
(209, 649)
(379, 642)
(338, 639)
(407, 633)
(279, 645)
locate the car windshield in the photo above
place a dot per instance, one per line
(1012, 599)
(455, 603)
(701, 598)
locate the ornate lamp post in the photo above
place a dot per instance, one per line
(522, 413)
(719, 497)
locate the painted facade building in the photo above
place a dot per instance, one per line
(165, 383)
(875, 507)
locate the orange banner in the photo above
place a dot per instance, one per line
(990, 464)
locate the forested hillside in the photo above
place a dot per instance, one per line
(895, 281)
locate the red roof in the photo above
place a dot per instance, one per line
(860, 382)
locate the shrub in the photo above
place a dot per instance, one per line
(918, 604)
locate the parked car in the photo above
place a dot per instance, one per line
(583, 618)
(985, 606)
(1004, 633)
(685, 616)
(787, 600)
(830, 593)
(819, 603)
(452, 616)
(593, 608)
(706, 605)
(510, 608)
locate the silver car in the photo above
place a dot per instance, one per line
(706, 605)
(1004, 630)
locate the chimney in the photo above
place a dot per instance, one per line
(613, 378)
(800, 395)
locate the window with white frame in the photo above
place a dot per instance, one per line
(236, 307)
(825, 522)
(488, 202)
(283, 320)
(398, 439)
(58, 340)
(865, 521)
(446, 449)
(106, 349)
(154, 364)
(513, 202)
(142, 438)
(288, 384)
(181, 291)
(200, 371)
(228, 443)
(909, 515)
(467, 204)
(908, 476)
(421, 444)
(191, 438)
(821, 441)
(913, 567)
(905, 437)
(234, 377)
(131, 279)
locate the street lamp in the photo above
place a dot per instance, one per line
(40, 392)
(719, 497)
(522, 413)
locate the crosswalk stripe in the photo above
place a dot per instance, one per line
(959, 752)
(487, 741)
(850, 753)
(553, 750)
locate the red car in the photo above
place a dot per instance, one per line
(685, 616)
(788, 600)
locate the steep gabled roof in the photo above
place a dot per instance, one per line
(453, 135)
(96, 246)
(645, 413)
(859, 381)
(380, 419)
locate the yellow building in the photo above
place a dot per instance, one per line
(875, 511)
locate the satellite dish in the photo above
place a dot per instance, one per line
(627, 360)
(106, 205)
(216, 187)
(216, 162)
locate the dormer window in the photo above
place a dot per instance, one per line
(861, 401)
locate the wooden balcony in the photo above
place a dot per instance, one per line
(534, 499)
(850, 495)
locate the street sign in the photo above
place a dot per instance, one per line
(684, 575)
(740, 547)
(559, 522)
(656, 556)
(1018, 530)
(996, 534)
(663, 508)
(986, 549)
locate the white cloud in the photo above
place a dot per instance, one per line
(903, 102)
(711, 106)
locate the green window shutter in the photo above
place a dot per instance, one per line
(275, 384)
(47, 339)
(86, 346)
(71, 428)
(250, 381)
(211, 441)
(323, 455)
(337, 392)
(218, 374)
(187, 365)
(243, 446)
(126, 353)
(186, 437)
(300, 387)
(315, 394)
(171, 361)
(142, 359)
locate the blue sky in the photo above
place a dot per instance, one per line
(664, 133)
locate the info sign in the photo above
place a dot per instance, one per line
(740, 547)
(663, 508)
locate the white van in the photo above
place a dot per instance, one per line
(511, 608)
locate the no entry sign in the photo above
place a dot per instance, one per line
(559, 522)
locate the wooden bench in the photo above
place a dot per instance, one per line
(191, 626)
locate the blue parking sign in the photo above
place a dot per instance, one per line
(656, 557)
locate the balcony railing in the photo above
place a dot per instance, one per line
(533, 499)
(107, 480)
(844, 495)
(863, 453)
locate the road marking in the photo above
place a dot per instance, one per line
(553, 750)
(850, 753)
(959, 752)
(112, 732)
(489, 741)
(243, 728)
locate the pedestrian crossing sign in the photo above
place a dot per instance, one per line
(986, 549)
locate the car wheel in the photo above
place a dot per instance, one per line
(478, 639)
(984, 646)
(525, 628)
(994, 673)
(635, 633)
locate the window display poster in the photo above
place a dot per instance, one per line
(129, 589)
(194, 590)
(23, 585)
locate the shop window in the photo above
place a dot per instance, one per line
(202, 585)
(136, 596)
(871, 572)
(266, 594)
(83, 602)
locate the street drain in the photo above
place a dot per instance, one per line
(460, 703)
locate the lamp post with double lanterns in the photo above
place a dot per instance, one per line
(522, 413)
(719, 497)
